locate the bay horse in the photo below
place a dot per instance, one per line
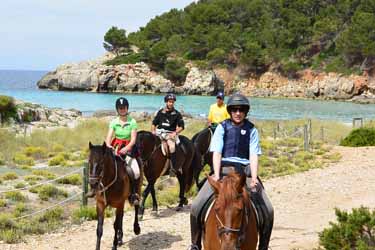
(107, 173)
(202, 141)
(231, 223)
(154, 162)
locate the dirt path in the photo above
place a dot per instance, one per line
(304, 204)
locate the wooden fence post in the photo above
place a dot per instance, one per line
(305, 138)
(85, 186)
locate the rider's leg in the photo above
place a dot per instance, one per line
(172, 150)
(265, 211)
(132, 170)
(195, 212)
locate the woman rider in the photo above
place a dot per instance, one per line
(121, 136)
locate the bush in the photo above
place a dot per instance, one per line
(3, 203)
(22, 159)
(8, 108)
(35, 152)
(15, 196)
(175, 70)
(32, 178)
(354, 230)
(88, 213)
(44, 173)
(74, 179)
(52, 215)
(57, 160)
(9, 176)
(20, 185)
(2, 160)
(359, 138)
(49, 191)
(126, 59)
(20, 209)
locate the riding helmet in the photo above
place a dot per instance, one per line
(169, 96)
(238, 99)
(122, 102)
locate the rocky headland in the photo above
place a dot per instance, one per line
(140, 79)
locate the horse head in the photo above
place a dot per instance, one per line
(99, 155)
(231, 209)
(146, 142)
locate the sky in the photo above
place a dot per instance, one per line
(42, 34)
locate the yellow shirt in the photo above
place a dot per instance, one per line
(218, 114)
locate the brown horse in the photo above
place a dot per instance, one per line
(231, 223)
(154, 163)
(108, 175)
(202, 141)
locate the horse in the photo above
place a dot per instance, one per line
(202, 141)
(108, 174)
(231, 223)
(154, 162)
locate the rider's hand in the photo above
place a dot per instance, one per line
(123, 151)
(153, 132)
(254, 182)
(215, 177)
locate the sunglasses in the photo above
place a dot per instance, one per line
(238, 109)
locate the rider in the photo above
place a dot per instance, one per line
(121, 136)
(170, 120)
(235, 143)
(218, 111)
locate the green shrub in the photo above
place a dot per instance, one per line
(2, 160)
(126, 59)
(354, 230)
(57, 160)
(359, 138)
(15, 196)
(10, 236)
(20, 185)
(35, 152)
(52, 215)
(19, 209)
(49, 191)
(9, 176)
(58, 148)
(22, 159)
(175, 70)
(8, 108)
(3, 203)
(32, 178)
(74, 179)
(334, 157)
(84, 213)
(45, 173)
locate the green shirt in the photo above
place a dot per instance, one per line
(124, 131)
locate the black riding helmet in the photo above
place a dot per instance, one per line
(169, 96)
(122, 103)
(238, 100)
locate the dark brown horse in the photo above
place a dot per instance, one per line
(231, 223)
(154, 162)
(108, 175)
(202, 141)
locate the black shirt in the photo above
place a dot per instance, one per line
(168, 120)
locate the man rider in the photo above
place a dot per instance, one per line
(218, 111)
(170, 120)
(235, 143)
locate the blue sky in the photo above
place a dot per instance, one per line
(41, 34)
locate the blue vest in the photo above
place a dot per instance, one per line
(236, 139)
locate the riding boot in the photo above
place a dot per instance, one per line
(92, 192)
(265, 214)
(173, 169)
(134, 197)
(196, 234)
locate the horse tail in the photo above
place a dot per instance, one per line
(196, 166)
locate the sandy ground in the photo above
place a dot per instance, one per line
(304, 204)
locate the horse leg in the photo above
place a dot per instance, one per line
(117, 241)
(99, 228)
(154, 201)
(144, 195)
(183, 201)
(136, 227)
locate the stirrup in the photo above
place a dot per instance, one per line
(91, 193)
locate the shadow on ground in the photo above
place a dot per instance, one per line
(155, 241)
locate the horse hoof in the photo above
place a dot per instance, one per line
(185, 201)
(120, 243)
(179, 208)
(137, 229)
(114, 248)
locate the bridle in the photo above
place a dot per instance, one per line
(99, 178)
(222, 229)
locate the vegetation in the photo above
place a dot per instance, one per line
(74, 179)
(8, 109)
(354, 230)
(359, 138)
(9, 176)
(115, 40)
(259, 35)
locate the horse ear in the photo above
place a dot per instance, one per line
(90, 145)
(214, 184)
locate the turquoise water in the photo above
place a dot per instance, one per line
(22, 85)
